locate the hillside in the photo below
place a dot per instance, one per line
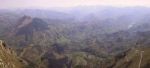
(8, 58)
(135, 58)
(98, 38)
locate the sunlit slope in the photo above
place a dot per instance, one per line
(8, 58)
(136, 58)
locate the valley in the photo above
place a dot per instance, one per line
(107, 37)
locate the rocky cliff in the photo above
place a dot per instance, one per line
(8, 58)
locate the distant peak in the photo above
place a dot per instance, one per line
(25, 20)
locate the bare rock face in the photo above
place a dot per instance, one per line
(8, 58)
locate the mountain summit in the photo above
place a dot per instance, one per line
(27, 25)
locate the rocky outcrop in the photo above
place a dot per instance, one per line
(8, 58)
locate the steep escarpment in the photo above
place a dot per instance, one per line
(8, 58)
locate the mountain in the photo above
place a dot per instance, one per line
(78, 38)
(7, 20)
(27, 29)
(27, 25)
(41, 13)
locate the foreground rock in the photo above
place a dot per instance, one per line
(8, 58)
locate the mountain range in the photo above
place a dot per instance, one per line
(80, 37)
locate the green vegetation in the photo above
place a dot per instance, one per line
(95, 41)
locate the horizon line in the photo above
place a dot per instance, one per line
(75, 7)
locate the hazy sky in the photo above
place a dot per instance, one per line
(70, 3)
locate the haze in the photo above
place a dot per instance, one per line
(70, 3)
